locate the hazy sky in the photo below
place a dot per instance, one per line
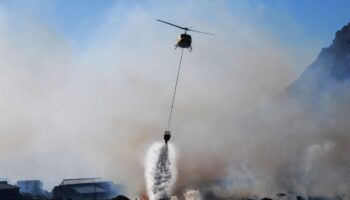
(85, 85)
(77, 19)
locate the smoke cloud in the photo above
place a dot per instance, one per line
(68, 113)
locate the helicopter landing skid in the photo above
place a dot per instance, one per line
(189, 48)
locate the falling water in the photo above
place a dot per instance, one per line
(160, 171)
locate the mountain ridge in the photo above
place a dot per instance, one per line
(332, 66)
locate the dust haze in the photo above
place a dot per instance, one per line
(67, 113)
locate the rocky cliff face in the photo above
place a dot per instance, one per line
(332, 67)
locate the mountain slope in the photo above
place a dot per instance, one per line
(332, 67)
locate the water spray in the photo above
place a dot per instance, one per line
(160, 171)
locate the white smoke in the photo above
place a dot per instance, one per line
(192, 195)
(94, 112)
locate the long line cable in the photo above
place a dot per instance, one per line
(173, 101)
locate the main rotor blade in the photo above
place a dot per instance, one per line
(172, 24)
(200, 32)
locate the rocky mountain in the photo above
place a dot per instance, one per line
(331, 68)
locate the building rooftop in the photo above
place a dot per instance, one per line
(28, 181)
(89, 190)
(4, 186)
(80, 181)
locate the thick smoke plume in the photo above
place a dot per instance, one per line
(160, 171)
(68, 112)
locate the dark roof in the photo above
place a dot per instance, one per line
(5, 186)
(80, 181)
(28, 181)
(121, 197)
(89, 190)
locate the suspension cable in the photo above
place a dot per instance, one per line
(173, 101)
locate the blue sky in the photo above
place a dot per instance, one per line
(76, 19)
(315, 17)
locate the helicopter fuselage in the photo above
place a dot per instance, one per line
(184, 41)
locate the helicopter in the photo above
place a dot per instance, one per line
(184, 40)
